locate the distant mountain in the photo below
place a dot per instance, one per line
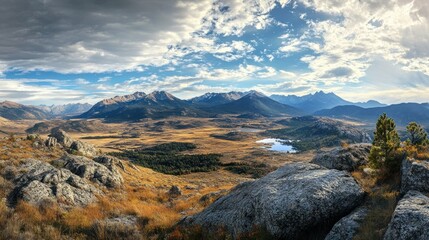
(15, 111)
(71, 109)
(369, 104)
(256, 103)
(402, 113)
(320, 100)
(158, 104)
(212, 99)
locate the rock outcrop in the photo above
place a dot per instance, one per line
(347, 227)
(41, 181)
(62, 137)
(289, 202)
(352, 133)
(348, 159)
(83, 148)
(410, 219)
(58, 136)
(105, 175)
(415, 175)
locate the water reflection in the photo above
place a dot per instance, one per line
(278, 145)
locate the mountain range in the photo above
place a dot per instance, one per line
(71, 109)
(311, 103)
(252, 104)
(402, 113)
(158, 104)
(256, 103)
(161, 104)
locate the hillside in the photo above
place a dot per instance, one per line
(402, 113)
(69, 126)
(15, 111)
(256, 103)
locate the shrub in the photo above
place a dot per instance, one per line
(417, 135)
(386, 142)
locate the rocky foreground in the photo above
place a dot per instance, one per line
(304, 200)
(289, 203)
(317, 200)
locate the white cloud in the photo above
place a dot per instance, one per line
(104, 79)
(20, 90)
(396, 30)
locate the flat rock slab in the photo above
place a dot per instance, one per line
(288, 202)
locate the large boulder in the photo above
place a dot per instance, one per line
(73, 146)
(289, 202)
(110, 162)
(91, 170)
(415, 175)
(349, 158)
(62, 137)
(410, 220)
(82, 148)
(348, 226)
(41, 181)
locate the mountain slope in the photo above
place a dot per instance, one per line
(139, 105)
(212, 99)
(402, 113)
(320, 100)
(256, 103)
(16, 111)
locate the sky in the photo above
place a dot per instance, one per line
(66, 51)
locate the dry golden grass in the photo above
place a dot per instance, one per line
(382, 193)
(365, 181)
(145, 193)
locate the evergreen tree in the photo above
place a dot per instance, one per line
(386, 142)
(417, 135)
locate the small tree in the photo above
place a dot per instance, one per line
(386, 142)
(417, 135)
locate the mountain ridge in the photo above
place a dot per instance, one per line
(402, 113)
(320, 100)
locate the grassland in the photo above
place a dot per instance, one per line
(145, 193)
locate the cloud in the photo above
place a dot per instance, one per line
(104, 79)
(94, 36)
(102, 36)
(396, 30)
(20, 90)
(180, 45)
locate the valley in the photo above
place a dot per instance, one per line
(162, 170)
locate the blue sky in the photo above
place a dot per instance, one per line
(83, 51)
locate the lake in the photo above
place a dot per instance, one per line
(278, 145)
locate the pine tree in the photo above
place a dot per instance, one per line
(417, 135)
(386, 142)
